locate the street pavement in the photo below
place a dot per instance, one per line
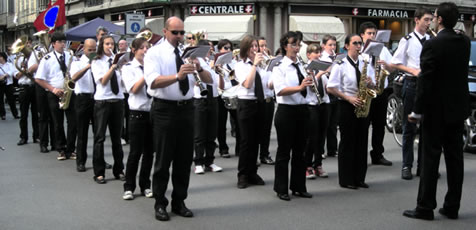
(39, 192)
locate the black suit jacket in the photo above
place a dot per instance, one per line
(443, 81)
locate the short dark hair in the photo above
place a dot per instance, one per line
(365, 26)
(224, 42)
(328, 37)
(300, 36)
(313, 48)
(100, 50)
(421, 11)
(261, 38)
(245, 45)
(448, 11)
(4, 55)
(349, 37)
(58, 36)
(283, 42)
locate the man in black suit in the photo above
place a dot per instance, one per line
(442, 101)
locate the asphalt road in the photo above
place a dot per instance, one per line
(39, 192)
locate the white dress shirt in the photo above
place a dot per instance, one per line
(49, 69)
(10, 70)
(242, 70)
(85, 84)
(343, 77)
(326, 56)
(99, 68)
(215, 76)
(409, 50)
(24, 80)
(160, 61)
(285, 75)
(131, 74)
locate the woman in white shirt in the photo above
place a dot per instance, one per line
(108, 110)
(7, 72)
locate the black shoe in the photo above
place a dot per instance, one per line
(267, 160)
(349, 186)
(302, 194)
(332, 154)
(161, 214)
(255, 179)
(417, 214)
(44, 149)
(3, 118)
(363, 185)
(100, 180)
(225, 154)
(407, 173)
(36, 140)
(233, 133)
(120, 177)
(22, 142)
(108, 166)
(448, 214)
(382, 161)
(182, 210)
(16, 117)
(284, 196)
(242, 182)
(80, 168)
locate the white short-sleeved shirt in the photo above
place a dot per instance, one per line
(49, 69)
(325, 57)
(8, 69)
(386, 56)
(409, 50)
(285, 75)
(24, 80)
(85, 84)
(343, 77)
(131, 74)
(99, 68)
(160, 61)
(242, 69)
(215, 76)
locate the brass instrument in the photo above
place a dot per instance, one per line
(220, 70)
(43, 46)
(265, 62)
(310, 74)
(146, 34)
(365, 94)
(380, 75)
(203, 89)
(431, 32)
(20, 48)
(68, 85)
(236, 54)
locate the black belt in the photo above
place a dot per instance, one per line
(170, 102)
(138, 114)
(269, 100)
(109, 100)
(26, 85)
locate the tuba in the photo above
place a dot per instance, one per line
(43, 45)
(20, 48)
(380, 75)
(68, 85)
(365, 94)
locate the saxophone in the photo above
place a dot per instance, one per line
(68, 86)
(365, 94)
(380, 75)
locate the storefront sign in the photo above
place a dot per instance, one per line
(387, 13)
(222, 9)
(362, 12)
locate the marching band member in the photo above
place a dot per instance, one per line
(51, 75)
(108, 110)
(84, 90)
(291, 120)
(317, 121)
(140, 126)
(170, 83)
(344, 83)
(7, 73)
(250, 110)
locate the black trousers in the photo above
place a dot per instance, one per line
(268, 124)
(205, 130)
(108, 113)
(352, 160)
(221, 133)
(140, 133)
(173, 143)
(45, 122)
(7, 90)
(64, 143)
(251, 119)
(317, 134)
(333, 115)
(378, 119)
(447, 137)
(28, 100)
(125, 127)
(291, 122)
(84, 114)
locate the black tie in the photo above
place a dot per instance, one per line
(62, 64)
(113, 80)
(300, 77)
(258, 86)
(183, 84)
(233, 81)
(142, 68)
(320, 87)
(332, 57)
(356, 67)
(210, 92)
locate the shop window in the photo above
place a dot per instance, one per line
(396, 27)
(90, 3)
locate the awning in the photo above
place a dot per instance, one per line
(315, 27)
(474, 30)
(233, 27)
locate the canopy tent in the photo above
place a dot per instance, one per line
(88, 29)
(233, 28)
(314, 28)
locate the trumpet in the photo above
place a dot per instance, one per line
(266, 60)
(203, 89)
(220, 70)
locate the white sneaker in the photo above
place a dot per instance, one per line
(148, 193)
(215, 168)
(128, 195)
(199, 169)
(123, 142)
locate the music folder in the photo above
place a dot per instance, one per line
(383, 36)
(373, 48)
(319, 65)
(117, 57)
(223, 58)
(274, 62)
(195, 51)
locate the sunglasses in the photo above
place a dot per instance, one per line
(357, 43)
(190, 38)
(176, 32)
(226, 47)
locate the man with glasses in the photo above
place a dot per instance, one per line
(407, 59)
(100, 31)
(189, 40)
(171, 82)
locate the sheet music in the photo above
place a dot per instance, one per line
(383, 36)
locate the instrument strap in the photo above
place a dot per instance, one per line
(423, 40)
(62, 66)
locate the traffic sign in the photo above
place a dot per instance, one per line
(134, 23)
